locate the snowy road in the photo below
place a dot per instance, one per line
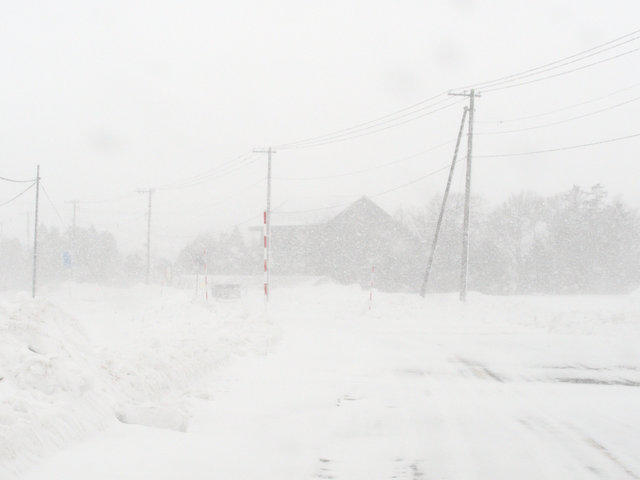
(403, 392)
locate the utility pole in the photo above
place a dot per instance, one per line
(149, 192)
(206, 277)
(423, 289)
(35, 236)
(75, 207)
(267, 219)
(74, 249)
(467, 202)
(467, 196)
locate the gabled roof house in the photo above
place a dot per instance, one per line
(347, 246)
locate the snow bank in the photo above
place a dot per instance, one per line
(134, 355)
(52, 390)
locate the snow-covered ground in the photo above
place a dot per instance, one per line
(83, 358)
(132, 384)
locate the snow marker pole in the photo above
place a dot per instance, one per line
(267, 224)
(266, 256)
(373, 268)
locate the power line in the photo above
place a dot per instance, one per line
(220, 173)
(558, 149)
(558, 65)
(175, 186)
(18, 195)
(375, 167)
(222, 170)
(342, 204)
(597, 49)
(554, 62)
(378, 194)
(551, 112)
(566, 120)
(362, 134)
(608, 59)
(250, 219)
(406, 115)
(17, 181)
(202, 175)
(238, 191)
(46, 194)
(419, 179)
(121, 213)
(109, 200)
(369, 124)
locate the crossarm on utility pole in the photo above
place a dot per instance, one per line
(434, 244)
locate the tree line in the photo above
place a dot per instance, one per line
(80, 254)
(577, 241)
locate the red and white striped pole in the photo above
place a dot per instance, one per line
(206, 287)
(373, 268)
(266, 257)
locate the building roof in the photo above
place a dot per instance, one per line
(362, 208)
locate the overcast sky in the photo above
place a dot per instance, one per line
(110, 97)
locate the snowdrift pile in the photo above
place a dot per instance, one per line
(52, 390)
(89, 356)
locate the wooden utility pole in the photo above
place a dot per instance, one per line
(467, 197)
(35, 236)
(423, 289)
(75, 208)
(149, 192)
(269, 152)
(74, 248)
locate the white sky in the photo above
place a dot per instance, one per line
(110, 97)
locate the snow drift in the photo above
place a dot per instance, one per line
(133, 355)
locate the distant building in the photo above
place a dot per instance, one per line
(345, 248)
